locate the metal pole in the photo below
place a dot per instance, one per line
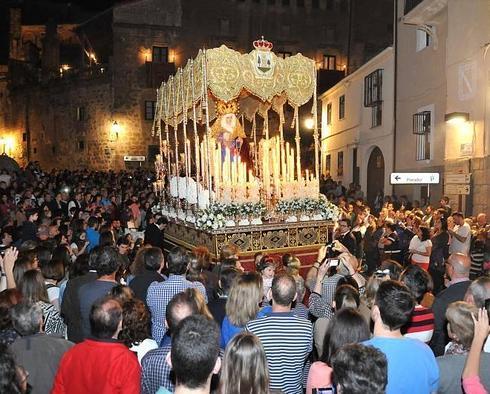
(196, 135)
(208, 134)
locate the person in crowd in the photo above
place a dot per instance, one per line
(347, 326)
(102, 364)
(29, 227)
(461, 330)
(359, 369)
(160, 293)
(122, 293)
(472, 383)
(70, 305)
(244, 367)
(154, 233)
(217, 304)
(92, 232)
(210, 278)
(421, 324)
(39, 353)
(439, 254)
(266, 268)
(53, 272)
(8, 298)
(457, 271)
(135, 332)
(156, 372)
(477, 252)
(107, 265)
(346, 238)
(390, 242)
(153, 265)
(34, 291)
(346, 296)
(420, 248)
(392, 310)
(13, 378)
(460, 235)
(242, 305)
(194, 356)
(287, 339)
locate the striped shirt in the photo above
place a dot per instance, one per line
(421, 325)
(159, 295)
(287, 341)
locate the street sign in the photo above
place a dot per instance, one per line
(134, 158)
(457, 178)
(457, 189)
(414, 178)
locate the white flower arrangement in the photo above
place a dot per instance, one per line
(309, 207)
(219, 215)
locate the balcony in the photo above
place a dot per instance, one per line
(419, 12)
(156, 73)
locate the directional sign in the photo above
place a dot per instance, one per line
(457, 189)
(414, 178)
(457, 178)
(134, 158)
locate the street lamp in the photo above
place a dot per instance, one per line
(309, 123)
(115, 129)
(457, 117)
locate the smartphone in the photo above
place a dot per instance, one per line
(487, 306)
(328, 390)
(333, 262)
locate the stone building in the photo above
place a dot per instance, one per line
(82, 93)
(357, 126)
(442, 121)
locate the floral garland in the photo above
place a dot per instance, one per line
(309, 206)
(217, 214)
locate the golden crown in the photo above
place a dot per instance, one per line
(223, 108)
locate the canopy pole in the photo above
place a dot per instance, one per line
(196, 135)
(208, 129)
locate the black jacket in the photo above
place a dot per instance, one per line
(154, 236)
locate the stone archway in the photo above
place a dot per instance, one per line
(375, 175)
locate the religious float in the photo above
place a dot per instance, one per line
(226, 173)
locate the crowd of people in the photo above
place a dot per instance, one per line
(93, 300)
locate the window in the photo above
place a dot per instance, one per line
(423, 39)
(342, 106)
(34, 150)
(328, 164)
(81, 145)
(284, 54)
(159, 55)
(81, 114)
(150, 110)
(422, 125)
(224, 27)
(329, 62)
(53, 150)
(373, 86)
(329, 114)
(377, 114)
(24, 137)
(340, 164)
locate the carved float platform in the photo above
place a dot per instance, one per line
(300, 238)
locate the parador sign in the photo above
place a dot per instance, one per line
(414, 178)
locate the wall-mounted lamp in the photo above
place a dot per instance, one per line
(309, 123)
(115, 129)
(457, 117)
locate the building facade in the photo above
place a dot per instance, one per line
(83, 94)
(441, 101)
(357, 126)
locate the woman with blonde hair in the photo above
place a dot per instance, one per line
(244, 369)
(242, 306)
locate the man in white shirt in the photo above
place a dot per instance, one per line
(460, 235)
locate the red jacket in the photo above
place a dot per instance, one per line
(96, 366)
